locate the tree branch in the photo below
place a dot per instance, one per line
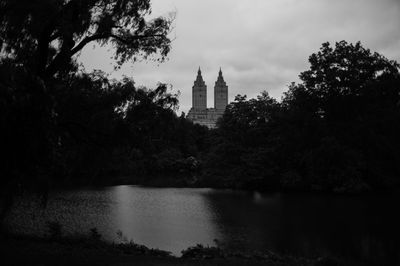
(65, 53)
(100, 36)
(87, 40)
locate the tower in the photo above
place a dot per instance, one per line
(220, 93)
(199, 113)
(199, 93)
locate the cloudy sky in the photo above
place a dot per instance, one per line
(260, 44)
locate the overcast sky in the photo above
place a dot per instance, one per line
(259, 44)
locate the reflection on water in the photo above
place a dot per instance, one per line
(355, 228)
(173, 220)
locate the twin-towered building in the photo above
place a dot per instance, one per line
(199, 113)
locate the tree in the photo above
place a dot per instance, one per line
(243, 149)
(337, 130)
(342, 79)
(26, 136)
(46, 34)
(346, 109)
(49, 108)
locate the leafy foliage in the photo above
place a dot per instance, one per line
(241, 147)
(62, 125)
(335, 131)
(46, 34)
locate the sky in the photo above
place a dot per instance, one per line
(259, 44)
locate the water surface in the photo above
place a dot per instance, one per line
(358, 228)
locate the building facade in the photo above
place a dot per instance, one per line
(199, 113)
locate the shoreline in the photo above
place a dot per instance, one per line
(23, 250)
(184, 185)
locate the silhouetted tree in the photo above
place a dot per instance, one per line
(344, 116)
(55, 116)
(27, 132)
(242, 153)
(335, 131)
(46, 34)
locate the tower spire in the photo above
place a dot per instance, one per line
(199, 93)
(220, 78)
(199, 78)
(220, 93)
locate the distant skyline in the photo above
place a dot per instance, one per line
(259, 44)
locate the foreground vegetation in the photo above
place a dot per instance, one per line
(93, 251)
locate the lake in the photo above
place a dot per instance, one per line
(358, 228)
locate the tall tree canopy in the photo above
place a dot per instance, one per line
(46, 34)
(336, 130)
(346, 115)
(55, 118)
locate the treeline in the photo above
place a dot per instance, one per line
(61, 125)
(337, 130)
(113, 132)
(92, 130)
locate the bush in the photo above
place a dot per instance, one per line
(201, 252)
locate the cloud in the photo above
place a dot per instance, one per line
(260, 44)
